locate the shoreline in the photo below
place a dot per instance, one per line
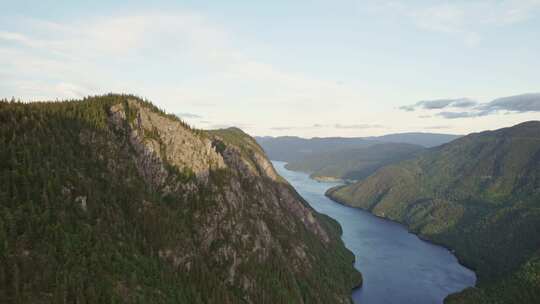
(356, 284)
(322, 178)
(423, 238)
(327, 193)
(344, 183)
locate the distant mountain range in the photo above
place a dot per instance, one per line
(293, 148)
(354, 164)
(427, 140)
(480, 196)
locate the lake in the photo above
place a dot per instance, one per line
(396, 265)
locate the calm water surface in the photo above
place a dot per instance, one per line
(396, 265)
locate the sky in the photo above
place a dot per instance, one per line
(306, 68)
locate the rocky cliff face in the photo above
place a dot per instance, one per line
(170, 143)
(204, 215)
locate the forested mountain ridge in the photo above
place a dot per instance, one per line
(108, 199)
(479, 195)
(293, 148)
(427, 140)
(354, 164)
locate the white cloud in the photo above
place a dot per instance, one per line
(358, 126)
(134, 52)
(440, 104)
(524, 103)
(330, 126)
(459, 17)
(179, 60)
(438, 127)
(445, 18)
(187, 64)
(15, 37)
(468, 19)
(71, 90)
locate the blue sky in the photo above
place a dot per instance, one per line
(309, 68)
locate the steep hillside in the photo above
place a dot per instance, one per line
(479, 195)
(108, 199)
(354, 164)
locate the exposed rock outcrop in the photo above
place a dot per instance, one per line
(116, 201)
(251, 200)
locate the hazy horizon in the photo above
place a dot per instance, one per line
(367, 136)
(311, 69)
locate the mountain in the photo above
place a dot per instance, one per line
(480, 196)
(108, 199)
(292, 148)
(416, 138)
(354, 164)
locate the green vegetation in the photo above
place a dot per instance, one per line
(237, 138)
(296, 149)
(354, 164)
(479, 195)
(80, 224)
(292, 148)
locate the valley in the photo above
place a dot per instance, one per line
(270, 152)
(478, 195)
(397, 267)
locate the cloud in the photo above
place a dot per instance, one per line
(15, 38)
(230, 125)
(440, 104)
(464, 103)
(283, 128)
(518, 103)
(188, 115)
(328, 126)
(470, 16)
(446, 18)
(512, 104)
(441, 127)
(286, 128)
(358, 126)
(436, 104)
(348, 126)
(408, 108)
(467, 20)
(105, 54)
(178, 59)
(454, 115)
(74, 90)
